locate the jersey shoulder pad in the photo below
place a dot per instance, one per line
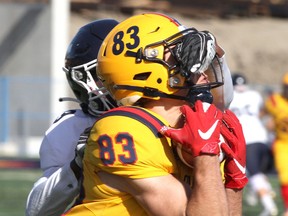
(139, 114)
(67, 112)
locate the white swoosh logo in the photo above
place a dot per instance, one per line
(206, 135)
(241, 168)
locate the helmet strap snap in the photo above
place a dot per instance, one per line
(204, 94)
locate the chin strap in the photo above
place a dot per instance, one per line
(203, 94)
(194, 94)
(83, 106)
(149, 92)
(62, 99)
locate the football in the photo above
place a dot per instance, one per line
(185, 154)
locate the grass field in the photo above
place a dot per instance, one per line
(256, 210)
(16, 184)
(14, 188)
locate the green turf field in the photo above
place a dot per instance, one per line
(14, 188)
(16, 184)
(256, 210)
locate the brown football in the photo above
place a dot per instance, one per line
(184, 153)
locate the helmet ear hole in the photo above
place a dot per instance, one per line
(142, 76)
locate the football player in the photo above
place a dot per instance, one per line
(248, 105)
(277, 105)
(59, 184)
(163, 73)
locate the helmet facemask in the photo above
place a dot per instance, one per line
(178, 76)
(204, 92)
(98, 99)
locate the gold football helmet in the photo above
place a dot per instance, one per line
(133, 62)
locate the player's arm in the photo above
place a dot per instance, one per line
(159, 196)
(51, 195)
(58, 187)
(208, 195)
(234, 197)
(166, 195)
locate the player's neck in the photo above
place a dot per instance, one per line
(169, 109)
